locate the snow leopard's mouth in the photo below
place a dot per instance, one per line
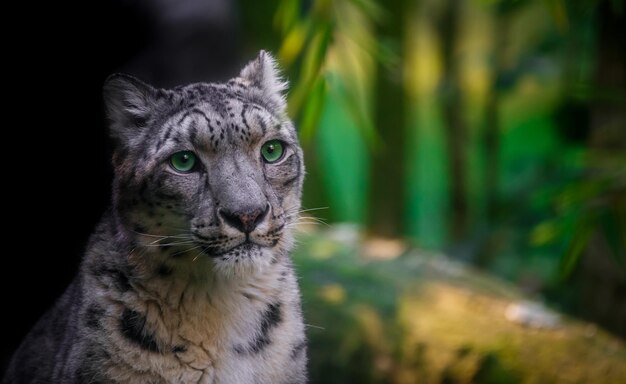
(241, 245)
(247, 247)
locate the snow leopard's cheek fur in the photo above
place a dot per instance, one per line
(196, 213)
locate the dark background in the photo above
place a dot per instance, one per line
(57, 180)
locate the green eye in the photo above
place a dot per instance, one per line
(183, 161)
(272, 151)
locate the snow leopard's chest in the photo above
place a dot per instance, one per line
(245, 334)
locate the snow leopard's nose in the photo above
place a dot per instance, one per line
(245, 220)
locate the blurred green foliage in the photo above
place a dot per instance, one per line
(513, 134)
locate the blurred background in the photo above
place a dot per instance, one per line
(466, 166)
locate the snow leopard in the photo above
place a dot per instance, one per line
(188, 277)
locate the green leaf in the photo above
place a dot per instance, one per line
(310, 71)
(545, 233)
(313, 109)
(372, 9)
(286, 15)
(614, 231)
(293, 43)
(578, 243)
(317, 51)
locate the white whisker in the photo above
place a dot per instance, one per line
(186, 250)
(313, 209)
(170, 244)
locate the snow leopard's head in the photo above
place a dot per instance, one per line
(211, 171)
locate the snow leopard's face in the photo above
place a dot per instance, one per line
(207, 170)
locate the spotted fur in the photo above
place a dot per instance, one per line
(170, 290)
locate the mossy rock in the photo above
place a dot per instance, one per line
(423, 318)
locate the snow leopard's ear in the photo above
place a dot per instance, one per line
(130, 104)
(263, 73)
